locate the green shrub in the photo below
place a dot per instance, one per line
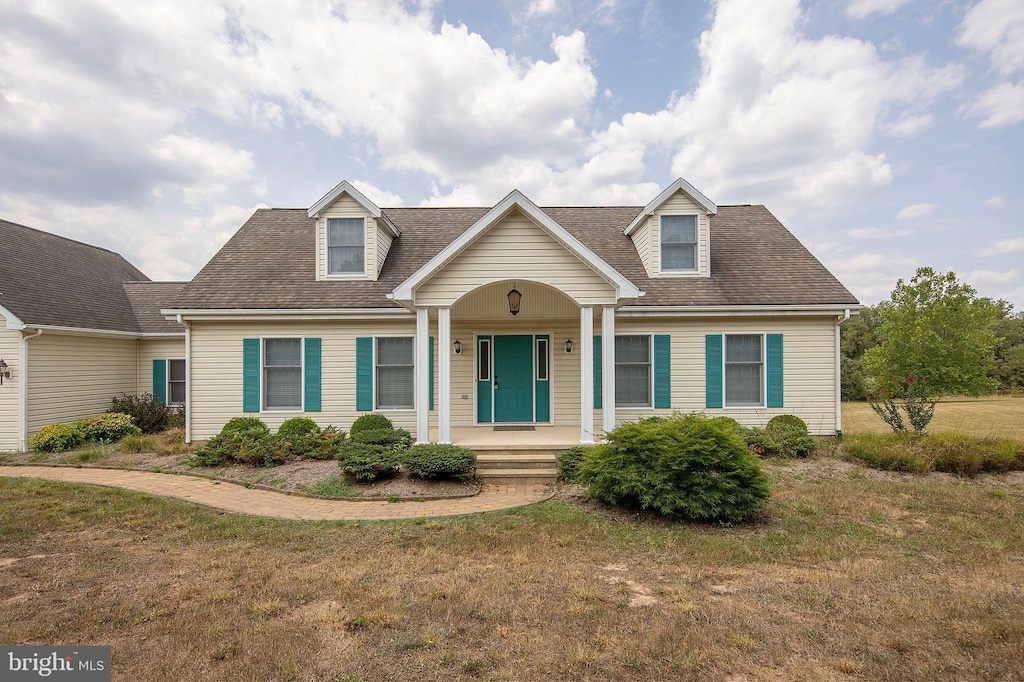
(396, 439)
(683, 466)
(297, 427)
(789, 420)
(108, 427)
(365, 462)
(245, 424)
(371, 421)
(946, 452)
(57, 438)
(333, 488)
(568, 462)
(319, 445)
(147, 411)
(729, 424)
(780, 440)
(432, 460)
(138, 443)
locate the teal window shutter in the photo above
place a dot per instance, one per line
(662, 370)
(160, 380)
(250, 375)
(364, 373)
(713, 370)
(597, 372)
(430, 369)
(311, 380)
(774, 357)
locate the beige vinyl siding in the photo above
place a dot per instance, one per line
(72, 377)
(216, 372)
(156, 349)
(515, 249)
(10, 412)
(347, 207)
(384, 240)
(538, 302)
(808, 367)
(647, 238)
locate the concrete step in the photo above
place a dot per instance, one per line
(520, 461)
(517, 476)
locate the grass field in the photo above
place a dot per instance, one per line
(844, 578)
(999, 416)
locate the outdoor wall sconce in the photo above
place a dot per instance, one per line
(5, 371)
(514, 298)
(457, 347)
(568, 346)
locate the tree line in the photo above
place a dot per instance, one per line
(934, 328)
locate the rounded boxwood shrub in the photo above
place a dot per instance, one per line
(245, 424)
(569, 461)
(433, 460)
(780, 440)
(365, 462)
(683, 466)
(788, 420)
(396, 439)
(108, 427)
(371, 421)
(728, 423)
(297, 427)
(57, 438)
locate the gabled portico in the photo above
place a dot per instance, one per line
(469, 280)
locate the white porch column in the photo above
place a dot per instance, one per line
(444, 376)
(587, 374)
(608, 368)
(422, 375)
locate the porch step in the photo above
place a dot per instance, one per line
(517, 466)
(516, 461)
(517, 476)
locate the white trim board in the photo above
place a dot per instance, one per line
(679, 184)
(345, 187)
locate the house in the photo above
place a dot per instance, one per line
(79, 325)
(560, 320)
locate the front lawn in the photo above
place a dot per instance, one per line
(845, 577)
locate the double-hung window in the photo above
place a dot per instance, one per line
(394, 370)
(744, 369)
(633, 371)
(175, 382)
(346, 246)
(282, 374)
(678, 243)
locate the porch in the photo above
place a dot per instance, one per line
(518, 457)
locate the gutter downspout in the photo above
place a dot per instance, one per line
(23, 388)
(839, 375)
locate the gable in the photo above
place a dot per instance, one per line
(647, 235)
(515, 248)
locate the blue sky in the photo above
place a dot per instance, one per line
(886, 134)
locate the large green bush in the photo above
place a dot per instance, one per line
(395, 439)
(57, 438)
(245, 425)
(788, 420)
(148, 412)
(682, 466)
(243, 439)
(319, 445)
(107, 427)
(568, 462)
(365, 462)
(783, 436)
(432, 460)
(947, 452)
(297, 427)
(370, 421)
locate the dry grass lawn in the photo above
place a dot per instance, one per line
(842, 579)
(998, 416)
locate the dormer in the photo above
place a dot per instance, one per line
(353, 236)
(672, 234)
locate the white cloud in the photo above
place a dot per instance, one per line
(996, 27)
(859, 9)
(876, 233)
(995, 202)
(909, 125)
(915, 211)
(541, 7)
(377, 195)
(1001, 105)
(871, 276)
(1004, 246)
(986, 277)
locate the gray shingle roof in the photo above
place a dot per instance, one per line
(46, 279)
(147, 298)
(270, 262)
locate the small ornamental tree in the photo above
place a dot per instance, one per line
(911, 394)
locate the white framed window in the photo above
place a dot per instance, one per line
(679, 243)
(346, 246)
(282, 374)
(483, 368)
(633, 371)
(175, 382)
(744, 370)
(395, 378)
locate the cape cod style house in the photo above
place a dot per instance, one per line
(559, 322)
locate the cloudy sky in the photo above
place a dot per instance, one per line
(886, 134)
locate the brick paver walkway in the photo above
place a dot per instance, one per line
(235, 498)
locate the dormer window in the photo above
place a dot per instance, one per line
(346, 246)
(679, 243)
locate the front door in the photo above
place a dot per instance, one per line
(513, 378)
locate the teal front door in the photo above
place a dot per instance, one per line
(513, 378)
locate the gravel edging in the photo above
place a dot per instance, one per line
(473, 492)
